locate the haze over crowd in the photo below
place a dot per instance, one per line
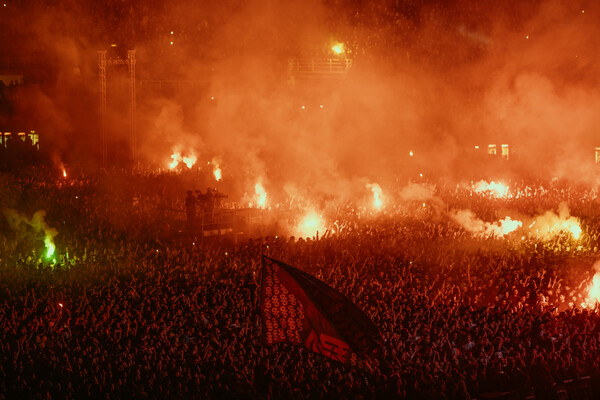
(436, 78)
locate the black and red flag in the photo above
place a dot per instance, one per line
(300, 309)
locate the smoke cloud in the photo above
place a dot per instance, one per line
(429, 81)
(32, 229)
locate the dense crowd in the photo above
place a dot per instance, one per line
(119, 311)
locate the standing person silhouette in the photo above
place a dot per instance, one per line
(190, 208)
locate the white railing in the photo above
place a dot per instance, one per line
(319, 66)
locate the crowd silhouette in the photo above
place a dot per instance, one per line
(118, 312)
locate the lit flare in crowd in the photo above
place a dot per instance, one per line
(338, 48)
(502, 227)
(37, 223)
(575, 231)
(261, 195)
(594, 291)
(470, 222)
(310, 224)
(49, 243)
(550, 224)
(63, 170)
(571, 226)
(216, 170)
(189, 160)
(508, 225)
(494, 189)
(377, 195)
(176, 157)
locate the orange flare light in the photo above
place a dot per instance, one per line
(493, 189)
(569, 225)
(190, 160)
(593, 297)
(216, 170)
(261, 195)
(176, 157)
(551, 225)
(338, 48)
(508, 225)
(377, 195)
(310, 224)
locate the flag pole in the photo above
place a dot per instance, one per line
(261, 368)
(258, 304)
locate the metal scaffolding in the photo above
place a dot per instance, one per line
(102, 82)
(317, 68)
(103, 63)
(132, 104)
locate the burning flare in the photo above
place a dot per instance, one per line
(593, 296)
(216, 170)
(338, 48)
(470, 222)
(493, 189)
(310, 224)
(550, 224)
(377, 195)
(190, 160)
(176, 157)
(508, 225)
(261, 195)
(594, 291)
(49, 243)
(37, 224)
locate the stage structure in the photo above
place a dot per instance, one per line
(317, 68)
(103, 64)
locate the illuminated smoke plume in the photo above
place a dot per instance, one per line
(550, 224)
(469, 221)
(189, 160)
(449, 76)
(377, 195)
(545, 227)
(593, 295)
(338, 48)
(492, 188)
(260, 195)
(176, 159)
(36, 228)
(416, 192)
(425, 194)
(310, 224)
(508, 225)
(61, 166)
(216, 169)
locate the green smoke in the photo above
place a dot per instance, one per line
(32, 229)
(49, 243)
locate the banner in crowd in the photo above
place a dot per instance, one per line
(300, 309)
